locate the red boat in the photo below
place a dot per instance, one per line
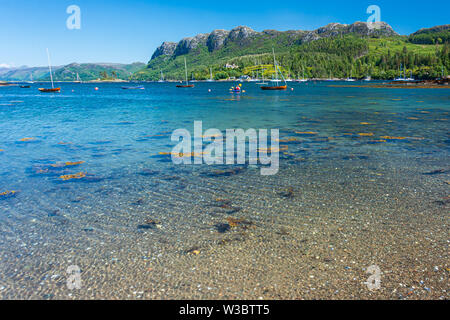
(50, 90)
(274, 88)
(53, 89)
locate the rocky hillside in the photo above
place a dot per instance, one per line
(337, 50)
(242, 36)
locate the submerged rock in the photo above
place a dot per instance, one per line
(288, 193)
(149, 224)
(222, 227)
(439, 171)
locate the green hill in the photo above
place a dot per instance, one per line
(93, 71)
(335, 50)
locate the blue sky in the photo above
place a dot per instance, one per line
(129, 31)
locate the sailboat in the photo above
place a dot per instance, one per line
(404, 77)
(53, 89)
(277, 86)
(330, 78)
(263, 80)
(187, 85)
(31, 79)
(411, 78)
(78, 79)
(303, 79)
(350, 79)
(211, 77)
(162, 77)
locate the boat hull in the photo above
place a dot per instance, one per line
(274, 88)
(50, 90)
(186, 86)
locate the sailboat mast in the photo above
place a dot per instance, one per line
(275, 65)
(185, 67)
(50, 68)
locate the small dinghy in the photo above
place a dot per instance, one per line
(50, 90)
(134, 88)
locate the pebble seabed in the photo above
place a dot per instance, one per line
(309, 232)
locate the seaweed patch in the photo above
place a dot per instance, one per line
(79, 175)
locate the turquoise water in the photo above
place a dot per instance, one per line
(118, 135)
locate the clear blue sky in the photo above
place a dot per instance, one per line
(128, 31)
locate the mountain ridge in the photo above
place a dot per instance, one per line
(220, 37)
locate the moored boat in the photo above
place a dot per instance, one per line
(52, 89)
(276, 80)
(274, 87)
(134, 88)
(187, 85)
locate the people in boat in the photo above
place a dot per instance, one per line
(237, 89)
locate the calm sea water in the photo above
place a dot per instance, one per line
(118, 135)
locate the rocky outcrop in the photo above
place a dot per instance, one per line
(243, 35)
(166, 49)
(216, 39)
(360, 28)
(188, 44)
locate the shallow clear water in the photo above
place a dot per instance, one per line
(360, 135)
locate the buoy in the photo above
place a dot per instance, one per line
(209, 90)
(96, 88)
(292, 89)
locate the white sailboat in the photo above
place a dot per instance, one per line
(411, 78)
(31, 79)
(350, 79)
(162, 77)
(211, 76)
(404, 76)
(330, 78)
(303, 75)
(78, 79)
(187, 85)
